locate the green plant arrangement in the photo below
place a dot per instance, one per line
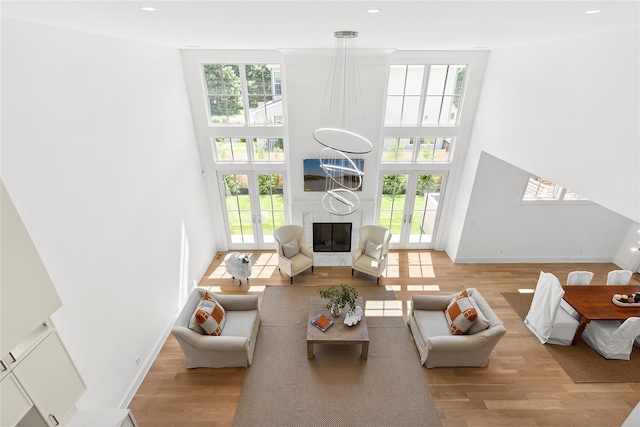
(340, 297)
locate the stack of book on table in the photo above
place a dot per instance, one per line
(322, 322)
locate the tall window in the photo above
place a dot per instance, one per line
(541, 189)
(411, 102)
(240, 94)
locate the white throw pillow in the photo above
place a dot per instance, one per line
(481, 323)
(373, 250)
(291, 249)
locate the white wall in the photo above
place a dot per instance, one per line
(307, 74)
(628, 256)
(501, 228)
(99, 155)
(567, 111)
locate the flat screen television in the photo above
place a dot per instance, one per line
(314, 176)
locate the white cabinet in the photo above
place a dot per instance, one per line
(51, 379)
(40, 385)
(15, 401)
(27, 295)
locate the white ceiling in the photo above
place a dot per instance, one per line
(400, 25)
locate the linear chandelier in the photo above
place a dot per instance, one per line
(340, 125)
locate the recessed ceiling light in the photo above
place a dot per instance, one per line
(148, 9)
(591, 12)
(374, 10)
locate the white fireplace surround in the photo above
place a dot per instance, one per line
(331, 258)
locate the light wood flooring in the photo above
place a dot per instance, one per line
(522, 386)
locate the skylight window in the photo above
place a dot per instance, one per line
(539, 189)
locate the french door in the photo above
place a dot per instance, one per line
(410, 205)
(254, 206)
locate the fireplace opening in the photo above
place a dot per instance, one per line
(332, 237)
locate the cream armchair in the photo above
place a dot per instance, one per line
(371, 255)
(293, 256)
(234, 347)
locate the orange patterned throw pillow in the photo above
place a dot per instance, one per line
(460, 314)
(210, 315)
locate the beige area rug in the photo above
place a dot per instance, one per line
(582, 363)
(284, 388)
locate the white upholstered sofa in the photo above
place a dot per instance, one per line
(234, 347)
(437, 346)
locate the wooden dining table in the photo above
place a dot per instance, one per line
(595, 302)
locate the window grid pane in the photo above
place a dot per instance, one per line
(238, 208)
(397, 76)
(230, 149)
(224, 89)
(410, 110)
(404, 91)
(444, 93)
(264, 87)
(425, 208)
(394, 188)
(397, 150)
(271, 203)
(268, 150)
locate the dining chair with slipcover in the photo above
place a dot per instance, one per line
(619, 277)
(576, 278)
(580, 278)
(612, 339)
(548, 321)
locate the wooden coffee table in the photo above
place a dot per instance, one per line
(593, 302)
(338, 333)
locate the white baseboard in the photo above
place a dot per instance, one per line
(142, 373)
(529, 260)
(133, 388)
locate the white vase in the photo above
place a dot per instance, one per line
(336, 310)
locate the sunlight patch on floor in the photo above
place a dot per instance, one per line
(417, 288)
(420, 258)
(392, 271)
(219, 273)
(393, 265)
(256, 289)
(420, 264)
(383, 308)
(526, 291)
(393, 258)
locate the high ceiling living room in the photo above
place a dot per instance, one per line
(121, 170)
